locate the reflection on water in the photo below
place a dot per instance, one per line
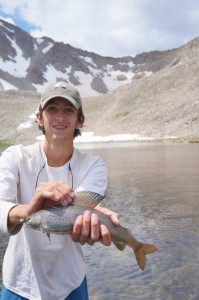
(155, 189)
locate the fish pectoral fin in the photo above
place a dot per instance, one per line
(48, 235)
(90, 242)
(120, 245)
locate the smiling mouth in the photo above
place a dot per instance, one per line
(59, 126)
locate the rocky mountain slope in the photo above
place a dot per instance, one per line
(166, 103)
(28, 63)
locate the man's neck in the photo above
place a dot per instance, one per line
(58, 154)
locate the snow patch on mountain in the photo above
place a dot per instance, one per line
(18, 66)
(6, 85)
(88, 60)
(52, 74)
(46, 49)
(27, 123)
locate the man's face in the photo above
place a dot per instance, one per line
(60, 119)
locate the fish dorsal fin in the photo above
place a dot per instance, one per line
(88, 199)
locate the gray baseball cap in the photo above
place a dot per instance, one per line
(63, 90)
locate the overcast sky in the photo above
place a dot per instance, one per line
(108, 27)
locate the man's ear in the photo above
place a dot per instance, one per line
(39, 119)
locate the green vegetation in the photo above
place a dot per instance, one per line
(194, 141)
(5, 143)
(122, 114)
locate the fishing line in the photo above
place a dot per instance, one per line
(69, 167)
(49, 174)
(21, 221)
(38, 175)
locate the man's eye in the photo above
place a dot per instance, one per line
(69, 109)
(51, 108)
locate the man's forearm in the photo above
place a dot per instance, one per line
(16, 216)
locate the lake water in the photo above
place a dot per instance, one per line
(155, 188)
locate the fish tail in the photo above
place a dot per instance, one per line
(141, 251)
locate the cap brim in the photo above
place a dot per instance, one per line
(68, 98)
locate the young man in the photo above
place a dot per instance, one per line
(41, 175)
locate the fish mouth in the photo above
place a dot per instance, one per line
(26, 222)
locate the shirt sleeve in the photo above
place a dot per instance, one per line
(95, 177)
(8, 185)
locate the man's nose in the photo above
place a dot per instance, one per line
(60, 116)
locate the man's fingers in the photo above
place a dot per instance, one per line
(95, 227)
(85, 233)
(57, 191)
(105, 235)
(115, 219)
(77, 228)
(87, 227)
(64, 193)
(111, 214)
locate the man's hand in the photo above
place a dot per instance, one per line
(88, 228)
(46, 194)
(51, 193)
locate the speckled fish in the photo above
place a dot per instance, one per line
(60, 220)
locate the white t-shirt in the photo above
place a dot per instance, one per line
(33, 266)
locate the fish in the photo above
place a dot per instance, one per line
(60, 220)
